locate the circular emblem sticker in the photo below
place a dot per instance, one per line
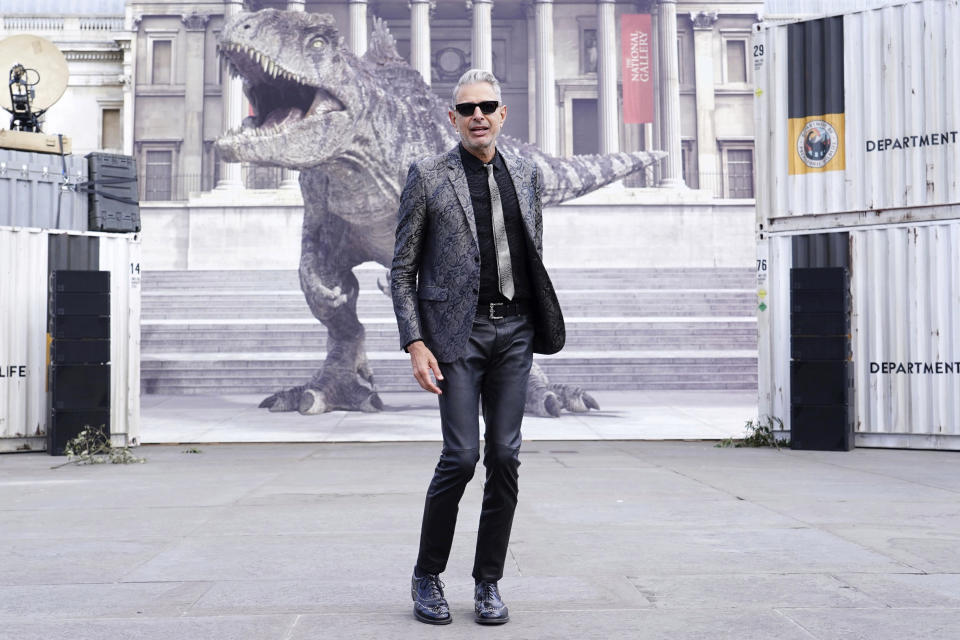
(817, 143)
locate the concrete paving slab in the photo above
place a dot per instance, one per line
(910, 590)
(928, 549)
(751, 591)
(110, 600)
(192, 628)
(639, 551)
(280, 557)
(100, 523)
(414, 417)
(377, 597)
(860, 624)
(658, 512)
(627, 539)
(591, 625)
(69, 561)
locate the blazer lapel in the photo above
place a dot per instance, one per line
(521, 184)
(460, 187)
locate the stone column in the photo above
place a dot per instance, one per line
(420, 37)
(191, 153)
(546, 83)
(656, 134)
(670, 90)
(358, 27)
(607, 76)
(232, 96)
(708, 161)
(481, 42)
(128, 78)
(290, 178)
(532, 117)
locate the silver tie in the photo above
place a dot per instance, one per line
(504, 270)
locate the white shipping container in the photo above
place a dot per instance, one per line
(905, 334)
(24, 267)
(897, 134)
(860, 149)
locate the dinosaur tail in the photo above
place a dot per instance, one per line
(567, 178)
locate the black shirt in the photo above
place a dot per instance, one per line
(482, 213)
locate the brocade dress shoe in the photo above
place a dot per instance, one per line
(429, 605)
(488, 605)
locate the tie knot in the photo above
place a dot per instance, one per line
(489, 168)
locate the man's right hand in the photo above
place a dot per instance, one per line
(424, 363)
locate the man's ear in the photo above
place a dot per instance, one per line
(453, 118)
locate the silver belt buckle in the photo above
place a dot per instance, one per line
(493, 314)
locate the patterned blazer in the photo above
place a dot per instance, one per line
(435, 276)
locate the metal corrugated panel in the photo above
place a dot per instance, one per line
(122, 259)
(808, 8)
(819, 250)
(80, 252)
(773, 327)
(32, 193)
(905, 288)
(23, 337)
(901, 114)
(26, 257)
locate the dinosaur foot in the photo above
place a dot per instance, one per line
(574, 398)
(543, 403)
(313, 399)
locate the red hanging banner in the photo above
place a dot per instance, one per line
(637, 52)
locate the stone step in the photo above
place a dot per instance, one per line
(259, 346)
(219, 332)
(369, 276)
(714, 383)
(384, 336)
(607, 325)
(197, 376)
(268, 315)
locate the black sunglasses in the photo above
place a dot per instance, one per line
(487, 107)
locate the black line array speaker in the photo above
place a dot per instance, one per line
(820, 365)
(113, 199)
(79, 382)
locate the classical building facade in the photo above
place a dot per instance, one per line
(558, 61)
(147, 80)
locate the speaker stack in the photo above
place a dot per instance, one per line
(79, 308)
(114, 199)
(820, 365)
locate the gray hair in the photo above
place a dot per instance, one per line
(473, 76)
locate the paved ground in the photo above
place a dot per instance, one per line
(671, 540)
(625, 415)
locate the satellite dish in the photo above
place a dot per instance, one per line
(35, 66)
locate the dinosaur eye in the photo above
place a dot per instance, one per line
(317, 42)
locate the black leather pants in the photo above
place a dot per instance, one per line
(494, 374)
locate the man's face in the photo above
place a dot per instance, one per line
(478, 131)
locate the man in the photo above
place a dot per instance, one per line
(473, 302)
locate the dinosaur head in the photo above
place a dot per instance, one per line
(297, 77)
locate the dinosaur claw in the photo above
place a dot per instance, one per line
(551, 404)
(312, 402)
(282, 400)
(589, 401)
(372, 404)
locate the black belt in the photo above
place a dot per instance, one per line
(497, 310)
